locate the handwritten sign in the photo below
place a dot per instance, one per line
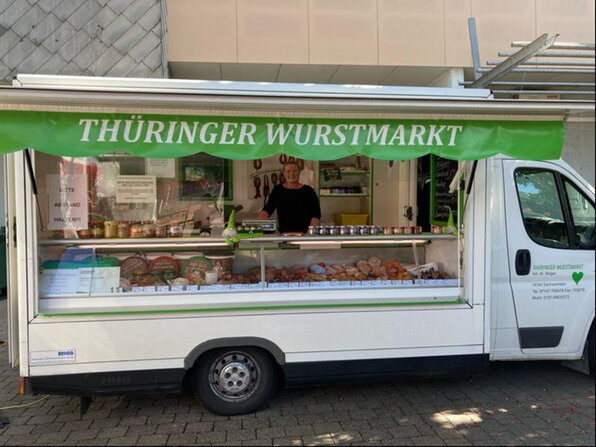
(442, 173)
(68, 203)
(136, 189)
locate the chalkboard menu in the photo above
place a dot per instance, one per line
(442, 172)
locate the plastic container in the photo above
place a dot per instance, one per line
(211, 276)
(351, 219)
(123, 230)
(110, 229)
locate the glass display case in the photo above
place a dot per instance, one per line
(110, 274)
(116, 234)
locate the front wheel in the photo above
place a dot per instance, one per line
(234, 381)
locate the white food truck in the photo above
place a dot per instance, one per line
(451, 235)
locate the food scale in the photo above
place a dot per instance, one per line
(268, 225)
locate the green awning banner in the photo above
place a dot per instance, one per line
(247, 138)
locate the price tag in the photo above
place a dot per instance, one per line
(192, 288)
(178, 288)
(305, 284)
(216, 287)
(137, 289)
(150, 289)
(293, 284)
(356, 283)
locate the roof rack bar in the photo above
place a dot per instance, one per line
(546, 92)
(548, 53)
(492, 74)
(561, 45)
(538, 83)
(542, 70)
(550, 63)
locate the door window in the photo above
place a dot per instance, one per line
(541, 207)
(582, 213)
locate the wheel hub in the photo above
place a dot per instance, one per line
(234, 376)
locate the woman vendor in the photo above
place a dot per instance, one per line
(297, 204)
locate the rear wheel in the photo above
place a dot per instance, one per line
(234, 380)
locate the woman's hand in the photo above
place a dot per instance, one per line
(263, 215)
(314, 221)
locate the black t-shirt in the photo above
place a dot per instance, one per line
(295, 207)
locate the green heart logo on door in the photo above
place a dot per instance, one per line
(577, 277)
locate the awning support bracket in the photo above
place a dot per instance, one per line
(33, 184)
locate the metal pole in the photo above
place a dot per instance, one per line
(474, 46)
(562, 45)
(554, 54)
(539, 70)
(539, 83)
(471, 181)
(550, 63)
(417, 261)
(546, 92)
(262, 259)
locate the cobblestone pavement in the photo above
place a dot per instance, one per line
(533, 403)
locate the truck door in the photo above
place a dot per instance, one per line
(550, 234)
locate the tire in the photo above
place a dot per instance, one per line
(233, 381)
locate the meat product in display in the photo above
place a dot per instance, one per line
(362, 271)
(375, 261)
(364, 267)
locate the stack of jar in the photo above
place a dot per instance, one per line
(344, 230)
(408, 229)
(111, 229)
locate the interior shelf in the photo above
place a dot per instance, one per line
(213, 241)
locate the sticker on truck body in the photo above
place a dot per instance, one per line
(38, 358)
